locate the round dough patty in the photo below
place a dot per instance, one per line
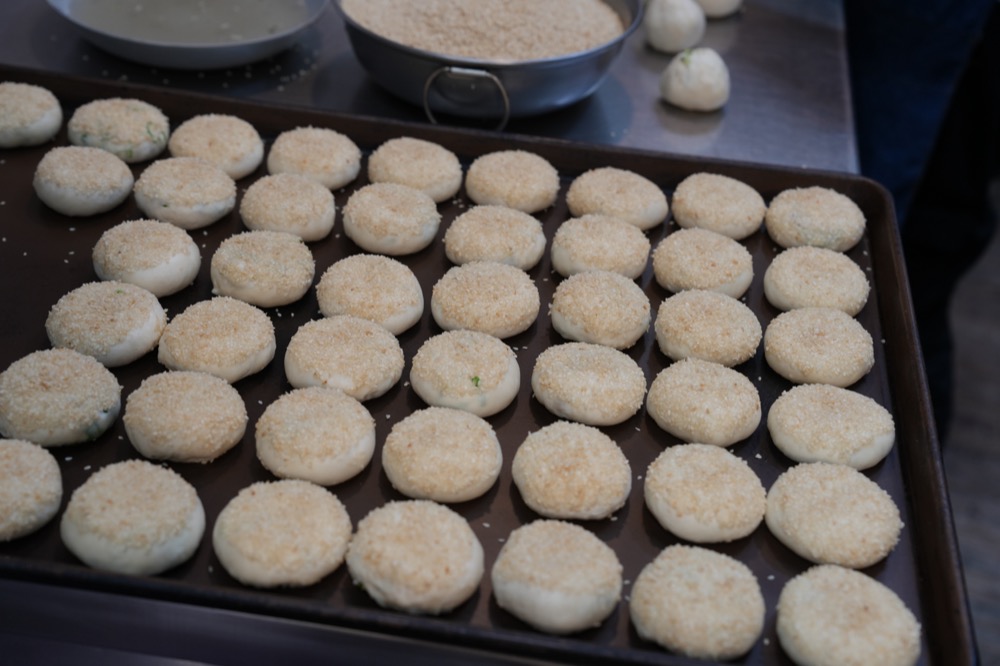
(618, 193)
(291, 203)
(832, 514)
(80, 181)
(599, 242)
(702, 259)
(32, 488)
(184, 417)
(154, 255)
(315, 434)
(130, 129)
(186, 191)
(263, 268)
(416, 556)
(818, 346)
(486, 296)
(422, 165)
(282, 533)
(804, 277)
(389, 218)
(572, 471)
(589, 383)
(228, 142)
(441, 454)
(557, 577)
(834, 615)
(600, 307)
(699, 603)
(816, 216)
(707, 325)
(133, 517)
(29, 114)
(325, 155)
(374, 287)
(718, 203)
(514, 178)
(57, 396)
(495, 233)
(704, 402)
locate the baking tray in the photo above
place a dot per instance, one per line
(43, 255)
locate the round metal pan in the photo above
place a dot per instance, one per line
(481, 89)
(172, 54)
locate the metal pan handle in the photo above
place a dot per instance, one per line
(472, 73)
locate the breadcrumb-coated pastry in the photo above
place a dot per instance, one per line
(705, 402)
(29, 115)
(323, 154)
(346, 352)
(228, 142)
(115, 322)
(486, 296)
(600, 307)
(823, 423)
(708, 325)
(186, 191)
(495, 233)
(514, 178)
(374, 287)
(222, 336)
(467, 370)
(833, 615)
(390, 218)
(131, 129)
(589, 383)
(599, 242)
(815, 277)
(704, 493)
(80, 181)
(289, 202)
(829, 513)
(571, 471)
(442, 454)
(263, 268)
(618, 193)
(819, 346)
(816, 216)
(422, 165)
(702, 259)
(31, 490)
(57, 396)
(184, 416)
(315, 434)
(416, 556)
(557, 577)
(286, 533)
(133, 517)
(718, 203)
(699, 603)
(157, 256)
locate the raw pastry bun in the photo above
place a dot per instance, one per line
(815, 216)
(600, 307)
(495, 233)
(468, 370)
(286, 533)
(291, 203)
(263, 268)
(322, 154)
(157, 256)
(185, 191)
(374, 287)
(833, 514)
(834, 615)
(599, 242)
(696, 80)
(133, 517)
(699, 603)
(571, 471)
(115, 322)
(822, 423)
(514, 178)
(422, 165)
(485, 296)
(673, 25)
(441, 454)
(221, 336)
(588, 383)
(80, 181)
(315, 434)
(416, 556)
(29, 115)
(184, 417)
(557, 577)
(130, 129)
(704, 493)
(709, 326)
(702, 259)
(618, 193)
(718, 203)
(819, 346)
(57, 396)
(815, 277)
(389, 218)
(228, 142)
(32, 488)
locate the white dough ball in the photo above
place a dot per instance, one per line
(696, 80)
(673, 25)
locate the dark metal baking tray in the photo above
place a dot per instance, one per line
(43, 255)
